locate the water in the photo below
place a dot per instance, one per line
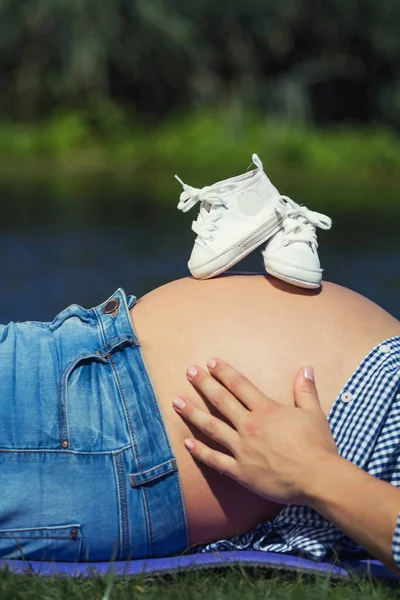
(47, 267)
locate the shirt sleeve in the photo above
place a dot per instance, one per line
(396, 544)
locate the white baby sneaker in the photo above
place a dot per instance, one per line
(292, 254)
(236, 216)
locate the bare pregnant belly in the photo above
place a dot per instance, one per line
(265, 329)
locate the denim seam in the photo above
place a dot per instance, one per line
(40, 537)
(151, 388)
(134, 446)
(135, 337)
(103, 333)
(43, 528)
(115, 458)
(126, 411)
(166, 462)
(121, 338)
(180, 493)
(149, 522)
(62, 387)
(123, 505)
(178, 480)
(58, 451)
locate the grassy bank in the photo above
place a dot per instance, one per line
(234, 583)
(103, 152)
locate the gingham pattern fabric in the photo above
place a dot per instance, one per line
(365, 422)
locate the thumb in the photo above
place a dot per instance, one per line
(305, 392)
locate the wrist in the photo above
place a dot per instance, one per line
(317, 484)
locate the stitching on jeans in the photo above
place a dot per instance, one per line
(155, 402)
(149, 523)
(167, 441)
(40, 537)
(61, 404)
(166, 462)
(154, 477)
(134, 446)
(115, 459)
(183, 508)
(128, 418)
(120, 338)
(66, 451)
(124, 542)
(124, 505)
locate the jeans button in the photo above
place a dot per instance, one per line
(111, 307)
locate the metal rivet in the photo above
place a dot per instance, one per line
(111, 306)
(64, 444)
(74, 533)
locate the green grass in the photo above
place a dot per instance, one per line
(104, 151)
(233, 583)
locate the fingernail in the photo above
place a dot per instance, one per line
(308, 373)
(192, 371)
(211, 363)
(189, 444)
(179, 403)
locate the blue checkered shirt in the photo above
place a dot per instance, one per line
(365, 422)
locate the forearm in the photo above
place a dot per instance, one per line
(363, 507)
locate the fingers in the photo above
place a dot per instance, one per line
(305, 391)
(217, 395)
(212, 458)
(237, 384)
(214, 428)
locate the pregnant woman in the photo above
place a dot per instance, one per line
(93, 464)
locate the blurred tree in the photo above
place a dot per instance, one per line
(321, 60)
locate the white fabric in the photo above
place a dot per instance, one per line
(299, 223)
(211, 207)
(236, 215)
(292, 254)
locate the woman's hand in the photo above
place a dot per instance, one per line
(274, 449)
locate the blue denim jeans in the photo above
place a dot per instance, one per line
(86, 466)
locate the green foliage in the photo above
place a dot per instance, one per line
(104, 152)
(158, 55)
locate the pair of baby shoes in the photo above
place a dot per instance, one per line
(239, 214)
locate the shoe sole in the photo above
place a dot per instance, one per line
(265, 236)
(294, 281)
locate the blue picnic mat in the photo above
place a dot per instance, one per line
(150, 566)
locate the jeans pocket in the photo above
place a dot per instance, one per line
(90, 415)
(60, 542)
(76, 380)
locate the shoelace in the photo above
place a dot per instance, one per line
(299, 222)
(209, 198)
